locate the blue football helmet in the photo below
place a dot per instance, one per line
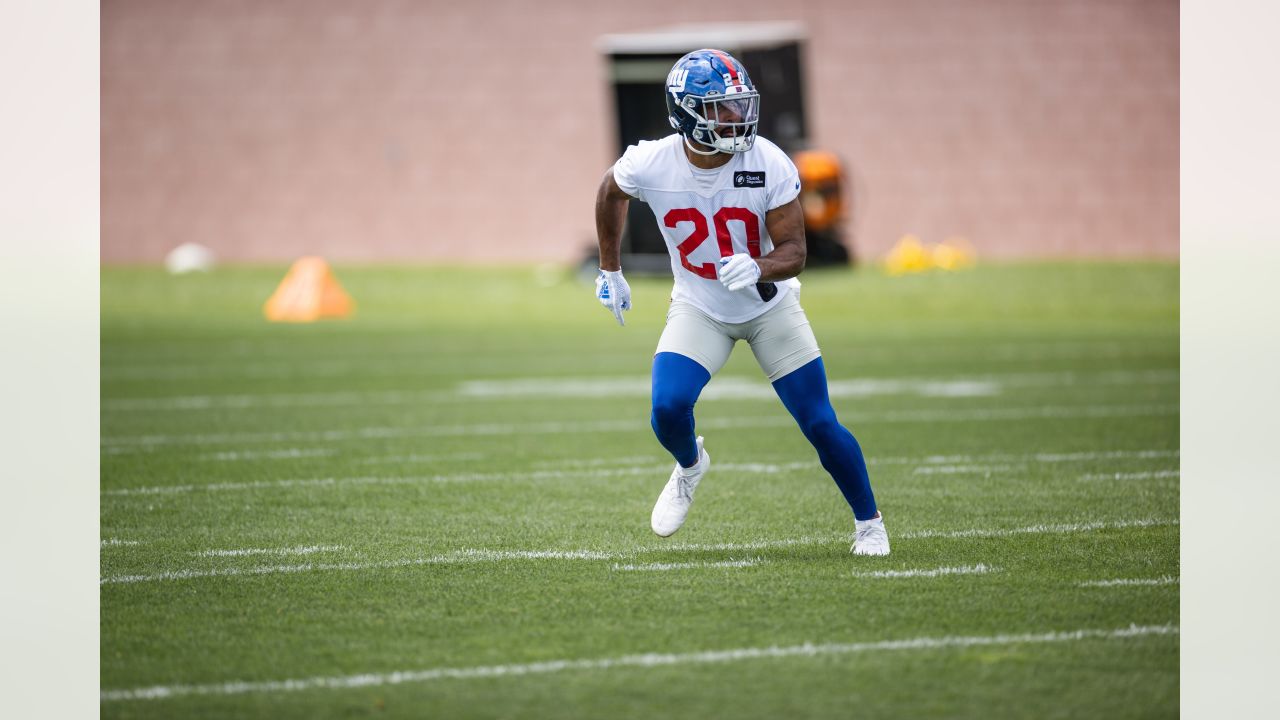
(712, 103)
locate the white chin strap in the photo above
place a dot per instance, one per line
(734, 144)
(696, 151)
(728, 145)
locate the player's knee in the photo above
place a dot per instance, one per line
(668, 411)
(824, 429)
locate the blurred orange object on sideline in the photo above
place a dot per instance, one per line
(309, 292)
(821, 173)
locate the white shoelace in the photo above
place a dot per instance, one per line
(870, 532)
(684, 486)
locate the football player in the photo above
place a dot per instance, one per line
(726, 202)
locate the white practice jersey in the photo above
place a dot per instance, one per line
(705, 215)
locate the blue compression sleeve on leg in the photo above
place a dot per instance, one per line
(804, 393)
(677, 382)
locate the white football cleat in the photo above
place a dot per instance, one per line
(673, 504)
(872, 538)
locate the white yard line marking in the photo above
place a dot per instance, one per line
(602, 468)
(337, 482)
(161, 354)
(469, 556)
(646, 660)
(419, 459)
(242, 359)
(240, 402)
(627, 461)
(842, 538)
(281, 454)
(741, 388)
(1112, 455)
(1154, 475)
(461, 557)
(430, 363)
(189, 574)
(961, 469)
(979, 569)
(1056, 529)
(721, 388)
(766, 468)
(688, 565)
(381, 432)
(1037, 413)
(305, 550)
(119, 443)
(1040, 457)
(1164, 580)
(296, 453)
(969, 467)
(117, 542)
(481, 555)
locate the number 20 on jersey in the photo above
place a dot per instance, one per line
(750, 223)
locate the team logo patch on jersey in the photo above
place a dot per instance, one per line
(748, 178)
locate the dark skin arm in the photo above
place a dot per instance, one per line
(786, 226)
(611, 210)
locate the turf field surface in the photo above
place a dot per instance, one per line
(440, 507)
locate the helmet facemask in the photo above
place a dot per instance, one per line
(725, 123)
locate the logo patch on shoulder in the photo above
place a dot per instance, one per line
(748, 179)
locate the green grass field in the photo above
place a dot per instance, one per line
(439, 508)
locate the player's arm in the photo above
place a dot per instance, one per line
(612, 289)
(785, 224)
(786, 227)
(611, 209)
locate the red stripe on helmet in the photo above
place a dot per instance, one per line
(728, 62)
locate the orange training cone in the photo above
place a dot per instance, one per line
(308, 292)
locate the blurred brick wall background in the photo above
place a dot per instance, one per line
(368, 130)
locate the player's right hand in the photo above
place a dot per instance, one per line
(738, 272)
(613, 292)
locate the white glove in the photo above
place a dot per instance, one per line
(739, 271)
(613, 292)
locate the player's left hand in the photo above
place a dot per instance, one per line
(613, 292)
(739, 271)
